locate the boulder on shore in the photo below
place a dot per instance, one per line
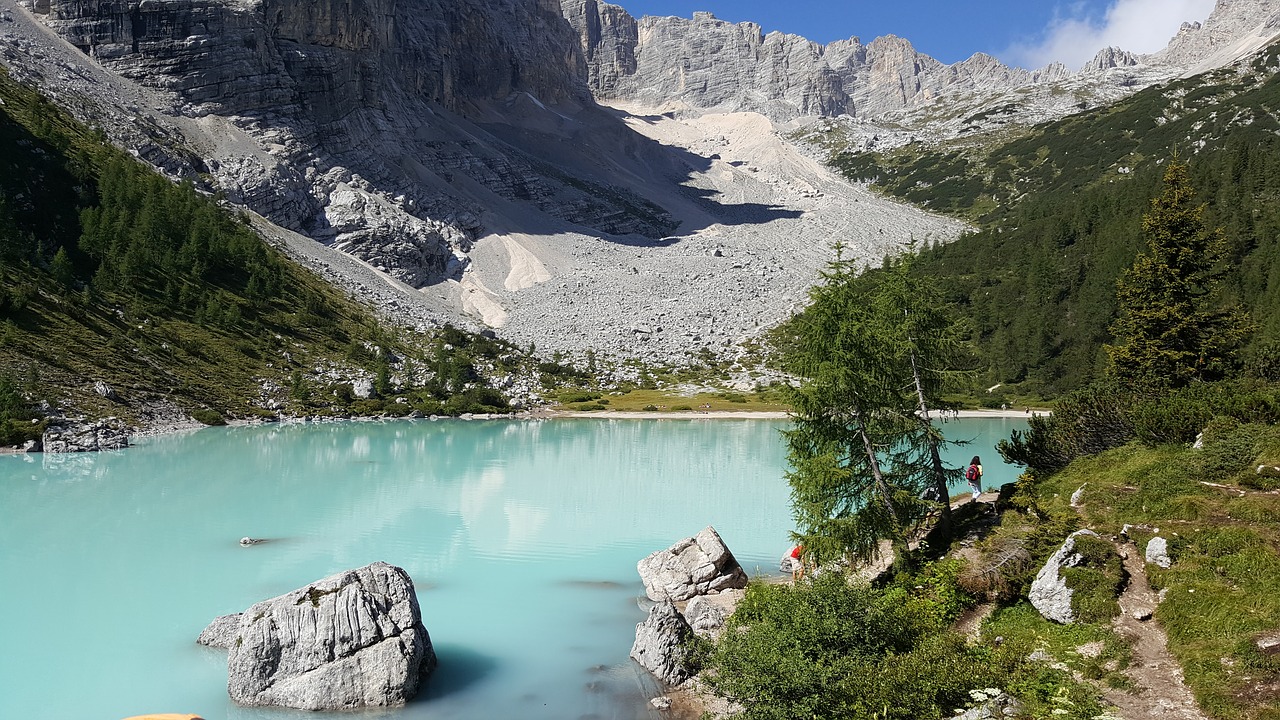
(103, 435)
(1049, 592)
(662, 644)
(697, 565)
(351, 640)
(705, 617)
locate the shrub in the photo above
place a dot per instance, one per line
(1096, 581)
(682, 408)
(650, 408)
(477, 400)
(1173, 418)
(827, 648)
(208, 417)
(1085, 422)
(1228, 448)
(577, 396)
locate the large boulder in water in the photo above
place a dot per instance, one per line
(662, 644)
(694, 566)
(351, 640)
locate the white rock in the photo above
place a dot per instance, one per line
(1158, 552)
(351, 640)
(694, 566)
(1049, 592)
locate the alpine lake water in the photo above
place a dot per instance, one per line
(521, 536)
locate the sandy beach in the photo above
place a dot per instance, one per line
(754, 414)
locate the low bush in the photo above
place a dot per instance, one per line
(577, 396)
(1085, 422)
(830, 649)
(1096, 581)
(208, 417)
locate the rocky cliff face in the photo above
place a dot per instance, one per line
(1234, 28)
(709, 64)
(361, 123)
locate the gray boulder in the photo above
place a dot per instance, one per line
(662, 644)
(362, 388)
(705, 617)
(1158, 552)
(351, 640)
(221, 633)
(107, 434)
(105, 390)
(1049, 592)
(1268, 643)
(694, 566)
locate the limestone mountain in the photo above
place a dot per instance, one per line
(705, 64)
(450, 159)
(456, 148)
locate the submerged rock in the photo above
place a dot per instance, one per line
(662, 644)
(694, 566)
(351, 640)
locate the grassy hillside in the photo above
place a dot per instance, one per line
(109, 272)
(1059, 210)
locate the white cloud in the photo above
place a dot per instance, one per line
(1073, 37)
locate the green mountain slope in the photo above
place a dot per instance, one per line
(110, 272)
(1060, 208)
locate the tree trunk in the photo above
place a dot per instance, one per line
(882, 488)
(939, 472)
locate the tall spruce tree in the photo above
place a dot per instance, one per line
(1170, 331)
(862, 451)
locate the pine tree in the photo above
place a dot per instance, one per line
(1169, 332)
(862, 450)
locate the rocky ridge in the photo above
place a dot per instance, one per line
(902, 94)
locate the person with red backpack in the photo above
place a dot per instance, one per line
(974, 476)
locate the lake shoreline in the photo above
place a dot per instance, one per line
(546, 414)
(745, 414)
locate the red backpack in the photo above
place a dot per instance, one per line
(972, 473)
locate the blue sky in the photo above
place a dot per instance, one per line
(1029, 33)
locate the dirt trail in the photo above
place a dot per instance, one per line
(1159, 691)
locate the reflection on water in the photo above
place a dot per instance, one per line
(521, 537)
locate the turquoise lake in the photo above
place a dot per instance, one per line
(521, 536)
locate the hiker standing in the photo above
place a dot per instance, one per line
(974, 476)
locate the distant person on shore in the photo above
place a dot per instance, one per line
(792, 562)
(974, 476)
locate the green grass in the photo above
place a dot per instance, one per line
(1226, 551)
(1022, 626)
